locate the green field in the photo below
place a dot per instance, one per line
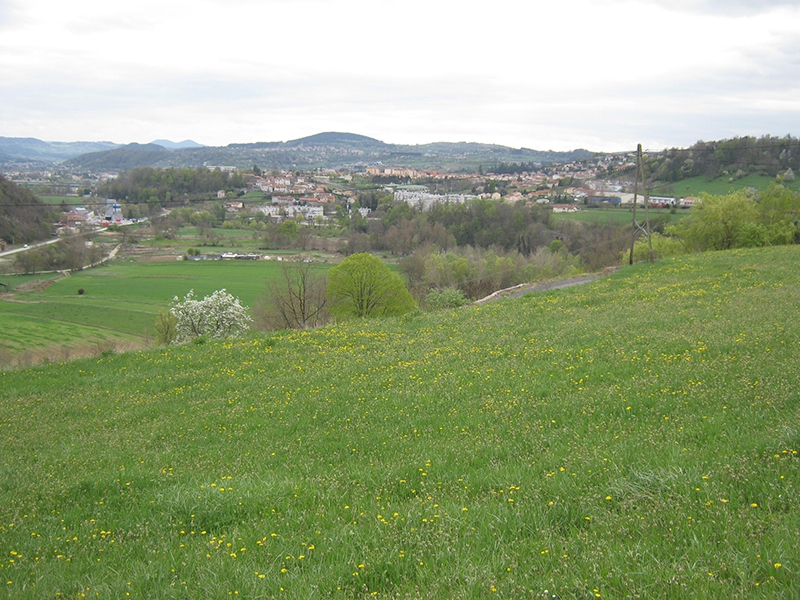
(618, 216)
(717, 187)
(20, 282)
(120, 302)
(68, 200)
(633, 437)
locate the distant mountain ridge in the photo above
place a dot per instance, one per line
(177, 145)
(335, 138)
(32, 149)
(322, 150)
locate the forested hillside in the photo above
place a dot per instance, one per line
(734, 158)
(23, 217)
(120, 159)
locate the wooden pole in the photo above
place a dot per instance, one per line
(635, 200)
(646, 205)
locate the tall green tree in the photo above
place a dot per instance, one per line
(720, 223)
(780, 207)
(363, 286)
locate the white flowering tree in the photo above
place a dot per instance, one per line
(217, 316)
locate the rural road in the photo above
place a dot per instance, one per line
(25, 248)
(40, 244)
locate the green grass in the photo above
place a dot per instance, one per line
(617, 216)
(21, 281)
(254, 196)
(720, 186)
(27, 331)
(194, 232)
(633, 437)
(68, 200)
(121, 300)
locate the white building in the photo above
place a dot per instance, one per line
(290, 211)
(425, 200)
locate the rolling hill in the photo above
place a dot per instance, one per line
(633, 437)
(123, 158)
(32, 149)
(177, 145)
(325, 150)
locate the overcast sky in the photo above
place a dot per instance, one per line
(561, 74)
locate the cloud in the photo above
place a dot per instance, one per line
(722, 7)
(533, 74)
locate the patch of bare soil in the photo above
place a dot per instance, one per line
(30, 286)
(157, 258)
(46, 284)
(148, 254)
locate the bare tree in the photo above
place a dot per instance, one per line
(294, 300)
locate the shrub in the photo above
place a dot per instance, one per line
(663, 246)
(445, 298)
(217, 316)
(166, 327)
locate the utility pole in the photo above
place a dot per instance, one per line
(635, 201)
(646, 205)
(636, 226)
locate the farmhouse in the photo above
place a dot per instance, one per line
(74, 218)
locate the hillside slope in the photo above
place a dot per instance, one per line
(24, 217)
(636, 436)
(123, 158)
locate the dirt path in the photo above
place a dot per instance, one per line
(526, 288)
(555, 285)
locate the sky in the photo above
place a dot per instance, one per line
(604, 75)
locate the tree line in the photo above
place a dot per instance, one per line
(69, 254)
(506, 228)
(148, 185)
(503, 168)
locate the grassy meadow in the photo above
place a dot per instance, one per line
(119, 303)
(694, 186)
(633, 437)
(618, 216)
